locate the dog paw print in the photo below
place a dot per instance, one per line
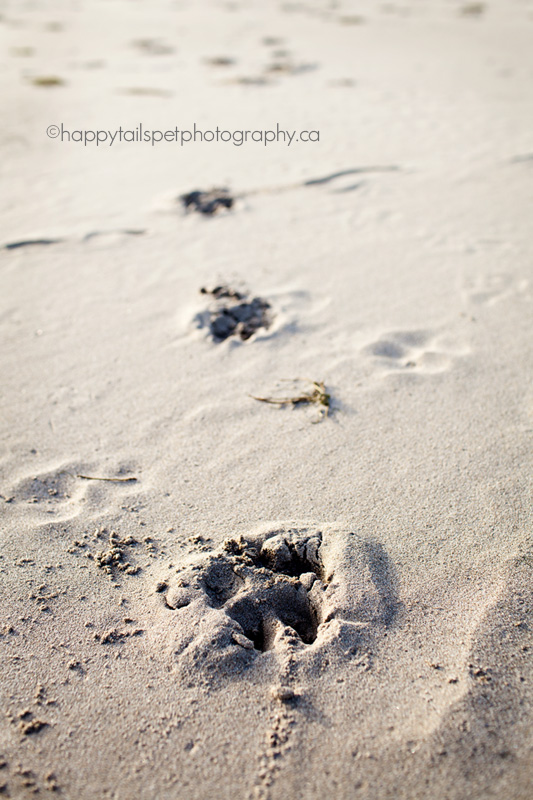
(233, 313)
(487, 290)
(262, 597)
(56, 493)
(416, 351)
(301, 594)
(266, 589)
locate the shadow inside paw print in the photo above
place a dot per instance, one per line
(284, 572)
(233, 313)
(267, 587)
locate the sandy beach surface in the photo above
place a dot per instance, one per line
(208, 595)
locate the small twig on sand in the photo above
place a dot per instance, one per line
(318, 396)
(112, 480)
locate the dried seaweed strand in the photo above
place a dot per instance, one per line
(318, 396)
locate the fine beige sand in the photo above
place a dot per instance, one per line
(208, 596)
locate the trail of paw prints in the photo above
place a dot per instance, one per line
(487, 290)
(418, 351)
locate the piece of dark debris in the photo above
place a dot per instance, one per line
(479, 674)
(472, 9)
(220, 61)
(47, 81)
(51, 783)
(209, 202)
(234, 313)
(153, 47)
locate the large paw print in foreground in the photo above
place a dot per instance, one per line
(291, 590)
